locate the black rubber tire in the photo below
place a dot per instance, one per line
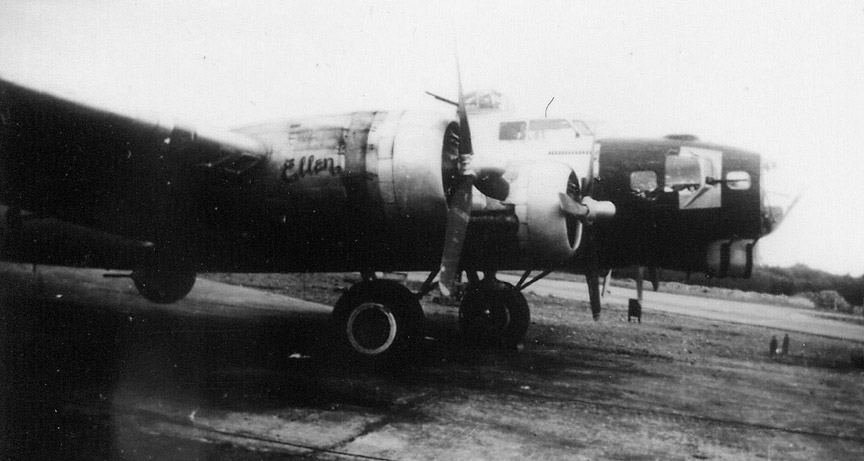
(163, 286)
(494, 313)
(373, 304)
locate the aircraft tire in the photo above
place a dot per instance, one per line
(493, 314)
(377, 324)
(163, 286)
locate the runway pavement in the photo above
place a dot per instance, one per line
(90, 370)
(776, 317)
(770, 316)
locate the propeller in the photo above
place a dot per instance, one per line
(589, 211)
(459, 205)
(773, 216)
(488, 178)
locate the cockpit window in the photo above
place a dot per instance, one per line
(694, 174)
(549, 129)
(582, 129)
(509, 131)
(738, 180)
(643, 182)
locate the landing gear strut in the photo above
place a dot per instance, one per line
(377, 323)
(493, 313)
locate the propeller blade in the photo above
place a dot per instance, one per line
(789, 208)
(592, 274)
(454, 236)
(492, 184)
(570, 206)
(465, 147)
(459, 206)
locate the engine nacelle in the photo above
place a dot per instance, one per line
(419, 178)
(547, 236)
(731, 258)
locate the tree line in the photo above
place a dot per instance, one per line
(796, 280)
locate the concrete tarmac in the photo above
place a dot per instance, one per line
(766, 315)
(90, 370)
(758, 314)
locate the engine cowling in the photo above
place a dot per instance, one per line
(531, 222)
(547, 236)
(528, 230)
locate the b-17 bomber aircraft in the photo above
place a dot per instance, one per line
(365, 191)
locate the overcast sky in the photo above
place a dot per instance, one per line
(785, 78)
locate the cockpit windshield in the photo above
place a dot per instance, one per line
(581, 128)
(544, 129)
(551, 130)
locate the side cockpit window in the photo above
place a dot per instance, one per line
(581, 128)
(511, 131)
(738, 180)
(643, 182)
(684, 173)
(694, 175)
(551, 129)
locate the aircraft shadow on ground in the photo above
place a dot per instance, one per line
(57, 354)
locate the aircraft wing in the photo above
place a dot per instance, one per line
(101, 168)
(17, 96)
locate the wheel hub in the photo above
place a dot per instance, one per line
(371, 328)
(492, 319)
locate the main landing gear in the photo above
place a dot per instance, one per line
(378, 323)
(163, 286)
(493, 313)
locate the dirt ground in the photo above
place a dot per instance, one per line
(671, 386)
(88, 383)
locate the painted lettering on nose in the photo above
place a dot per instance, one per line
(308, 165)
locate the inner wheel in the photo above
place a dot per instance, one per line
(494, 313)
(163, 286)
(487, 319)
(371, 328)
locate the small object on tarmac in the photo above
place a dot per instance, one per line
(634, 309)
